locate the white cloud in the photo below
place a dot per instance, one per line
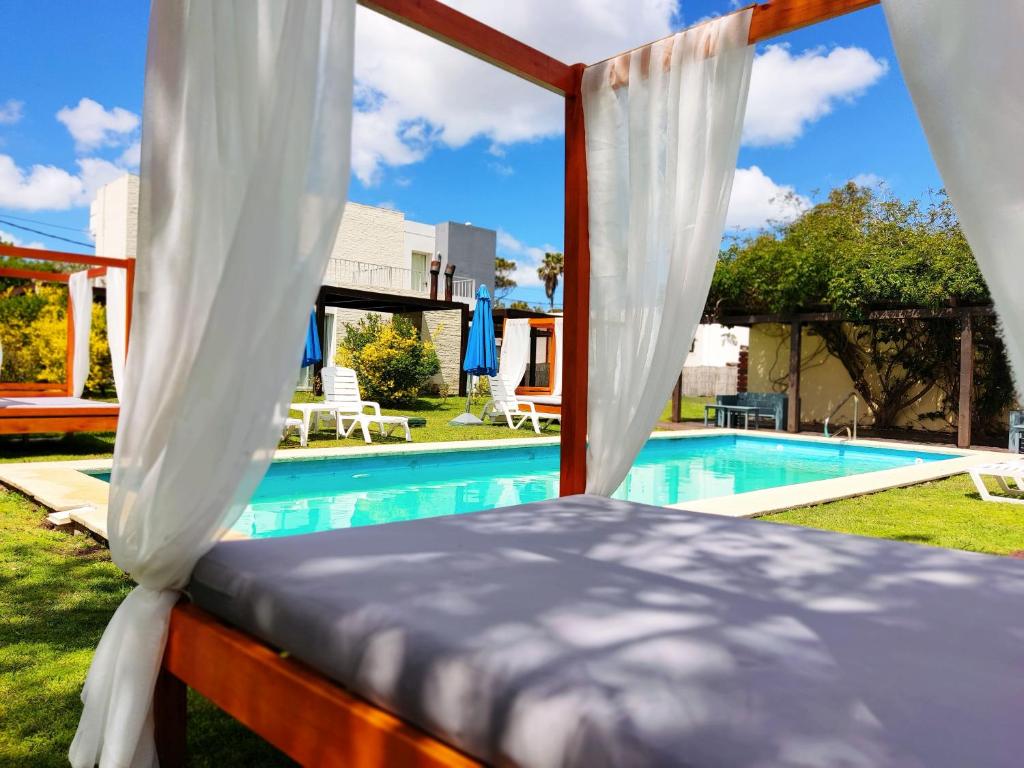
(757, 201)
(46, 187)
(788, 92)
(92, 126)
(131, 156)
(414, 92)
(8, 237)
(11, 111)
(868, 180)
(43, 187)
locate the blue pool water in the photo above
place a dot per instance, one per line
(309, 495)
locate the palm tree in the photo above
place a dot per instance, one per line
(550, 272)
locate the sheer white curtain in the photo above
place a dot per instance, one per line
(245, 150)
(117, 324)
(663, 130)
(515, 351)
(80, 306)
(962, 61)
(556, 390)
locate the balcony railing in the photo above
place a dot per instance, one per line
(363, 274)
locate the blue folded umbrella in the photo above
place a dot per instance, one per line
(312, 354)
(481, 353)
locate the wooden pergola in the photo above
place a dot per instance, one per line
(63, 417)
(965, 315)
(251, 681)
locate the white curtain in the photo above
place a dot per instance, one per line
(515, 351)
(80, 306)
(962, 61)
(117, 328)
(557, 388)
(245, 150)
(663, 131)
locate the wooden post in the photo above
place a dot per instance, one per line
(576, 287)
(321, 321)
(793, 411)
(129, 301)
(170, 718)
(963, 414)
(677, 400)
(463, 378)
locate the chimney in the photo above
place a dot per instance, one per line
(449, 281)
(741, 373)
(435, 271)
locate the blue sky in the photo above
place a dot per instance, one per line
(440, 136)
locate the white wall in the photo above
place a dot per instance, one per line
(372, 235)
(717, 345)
(114, 218)
(420, 237)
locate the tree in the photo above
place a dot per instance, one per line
(859, 250)
(519, 304)
(550, 271)
(503, 281)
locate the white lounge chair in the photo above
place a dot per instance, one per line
(341, 390)
(504, 402)
(1001, 471)
(291, 423)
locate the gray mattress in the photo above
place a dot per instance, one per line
(591, 632)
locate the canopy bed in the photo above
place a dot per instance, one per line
(545, 634)
(531, 361)
(47, 407)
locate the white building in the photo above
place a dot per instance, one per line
(712, 366)
(377, 250)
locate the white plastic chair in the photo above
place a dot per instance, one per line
(504, 402)
(1001, 471)
(341, 393)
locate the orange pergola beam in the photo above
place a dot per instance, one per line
(100, 265)
(781, 16)
(444, 23)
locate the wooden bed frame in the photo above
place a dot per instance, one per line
(251, 681)
(45, 419)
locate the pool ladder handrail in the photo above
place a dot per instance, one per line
(851, 432)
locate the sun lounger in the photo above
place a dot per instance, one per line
(365, 420)
(341, 390)
(592, 632)
(516, 411)
(1001, 471)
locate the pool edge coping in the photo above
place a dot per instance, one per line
(65, 486)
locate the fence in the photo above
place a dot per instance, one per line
(708, 380)
(363, 274)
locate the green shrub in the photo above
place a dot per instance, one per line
(392, 362)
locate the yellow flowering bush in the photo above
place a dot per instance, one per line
(393, 363)
(33, 331)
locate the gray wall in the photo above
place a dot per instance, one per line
(471, 249)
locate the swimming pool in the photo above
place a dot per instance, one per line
(308, 495)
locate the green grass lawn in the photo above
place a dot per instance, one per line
(436, 411)
(57, 593)
(944, 513)
(692, 409)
